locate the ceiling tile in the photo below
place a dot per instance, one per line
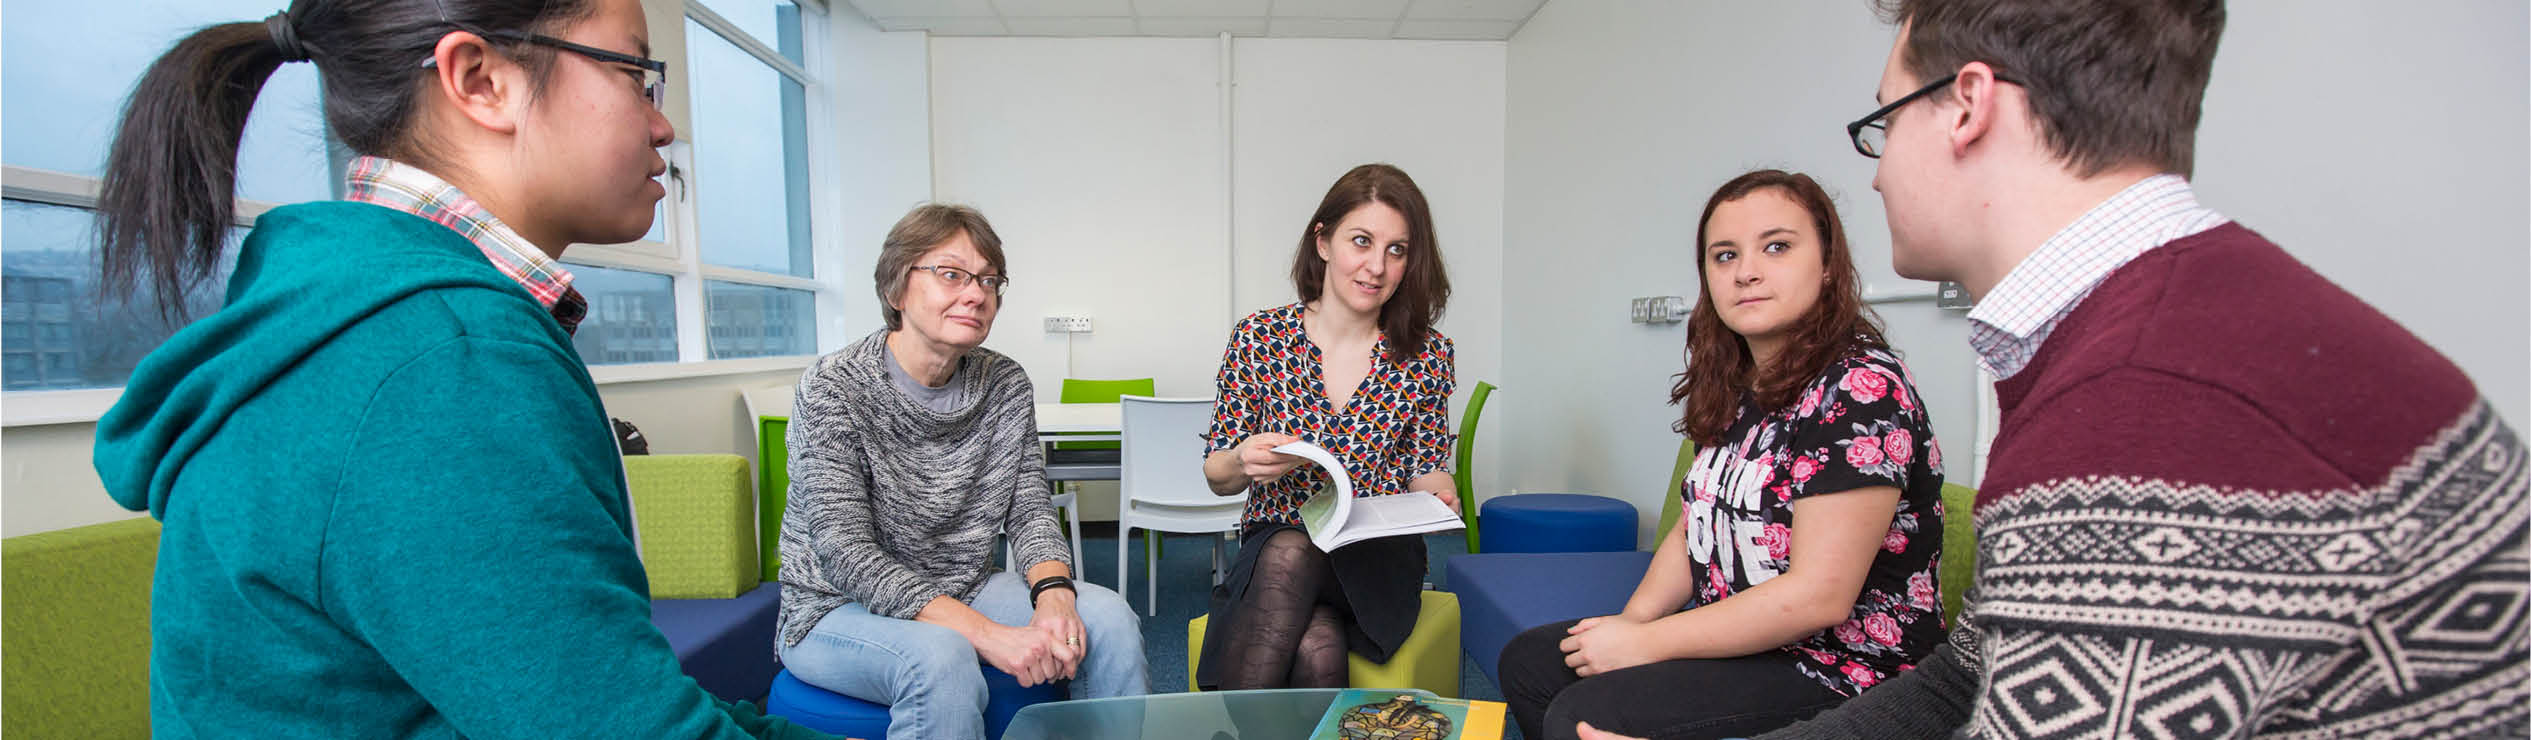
(1203, 26)
(1329, 28)
(946, 26)
(1070, 26)
(877, 9)
(1065, 8)
(1338, 9)
(1490, 10)
(1457, 30)
(1201, 8)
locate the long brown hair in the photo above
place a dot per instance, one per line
(1408, 316)
(1719, 367)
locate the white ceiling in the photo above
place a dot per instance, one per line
(1479, 20)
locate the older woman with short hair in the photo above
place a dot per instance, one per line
(912, 452)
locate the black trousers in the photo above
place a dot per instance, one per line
(1717, 698)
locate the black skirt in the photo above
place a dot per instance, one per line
(1381, 583)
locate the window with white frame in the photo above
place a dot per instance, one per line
(726, 271)
(59, 118)
(736, 232)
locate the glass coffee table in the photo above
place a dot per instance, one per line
(1273, 714)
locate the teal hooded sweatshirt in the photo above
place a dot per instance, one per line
(392, 506)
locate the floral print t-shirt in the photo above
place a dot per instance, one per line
(1859, 426)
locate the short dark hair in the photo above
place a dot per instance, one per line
(2112, 82)
(167, 198)
(1410, 313)
(929, 225)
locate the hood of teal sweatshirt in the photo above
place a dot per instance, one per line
(305, 272)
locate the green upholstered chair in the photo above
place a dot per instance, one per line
(74, 635)
(1429, 659)
(1671, 506)
(1959, 546)
(694, 513)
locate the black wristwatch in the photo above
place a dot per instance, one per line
(1049, 582)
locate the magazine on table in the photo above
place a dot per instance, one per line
(1372, 714)
(1336, 518)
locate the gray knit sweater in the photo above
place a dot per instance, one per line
(893, 504)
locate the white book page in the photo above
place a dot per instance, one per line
(1343, 520)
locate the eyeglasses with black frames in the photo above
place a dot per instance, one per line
(1871, 132)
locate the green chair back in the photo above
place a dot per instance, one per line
(1076, 390)
(1671, 506)
(1959, 546)
(1463, 472)
(773, 488)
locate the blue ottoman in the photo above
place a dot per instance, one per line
(1556, 522)
(722, 642)
(1503, 594)
(837, 714)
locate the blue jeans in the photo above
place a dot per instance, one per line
(930, 677)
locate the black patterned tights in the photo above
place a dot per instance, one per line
(1286, 633)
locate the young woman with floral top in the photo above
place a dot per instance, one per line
(1802, 570)
(1356, 368)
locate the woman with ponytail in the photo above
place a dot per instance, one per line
(392, 503)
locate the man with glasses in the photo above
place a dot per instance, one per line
(2227, 498)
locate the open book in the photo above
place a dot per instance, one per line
(1335, 518)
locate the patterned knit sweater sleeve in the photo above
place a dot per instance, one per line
(1030, 518)
(831, 538)
(893, 504)
(2114, 605)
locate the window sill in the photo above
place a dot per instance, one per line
(84, 406)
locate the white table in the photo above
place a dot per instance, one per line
(1080, 422)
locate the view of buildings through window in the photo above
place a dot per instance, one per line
(749, 200)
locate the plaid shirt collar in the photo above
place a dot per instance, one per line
(2014, 318)
(409, 189)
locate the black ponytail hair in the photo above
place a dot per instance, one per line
(168, 196)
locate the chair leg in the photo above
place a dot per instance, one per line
(1080, 564)
(1124, 534)
(1151, 573)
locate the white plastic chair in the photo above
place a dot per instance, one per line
(1161, 487)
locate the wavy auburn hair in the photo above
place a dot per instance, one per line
(1719, 367)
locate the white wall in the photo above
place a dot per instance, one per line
(1308, 110)
(2382, 143)
(879, 97)
(1100, 162)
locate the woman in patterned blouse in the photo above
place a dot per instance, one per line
(1354, 367)
(1802, 569)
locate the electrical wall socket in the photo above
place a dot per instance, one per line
(1669, 309)
(1666, 309)
(1067, 324)
(1953, 295)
